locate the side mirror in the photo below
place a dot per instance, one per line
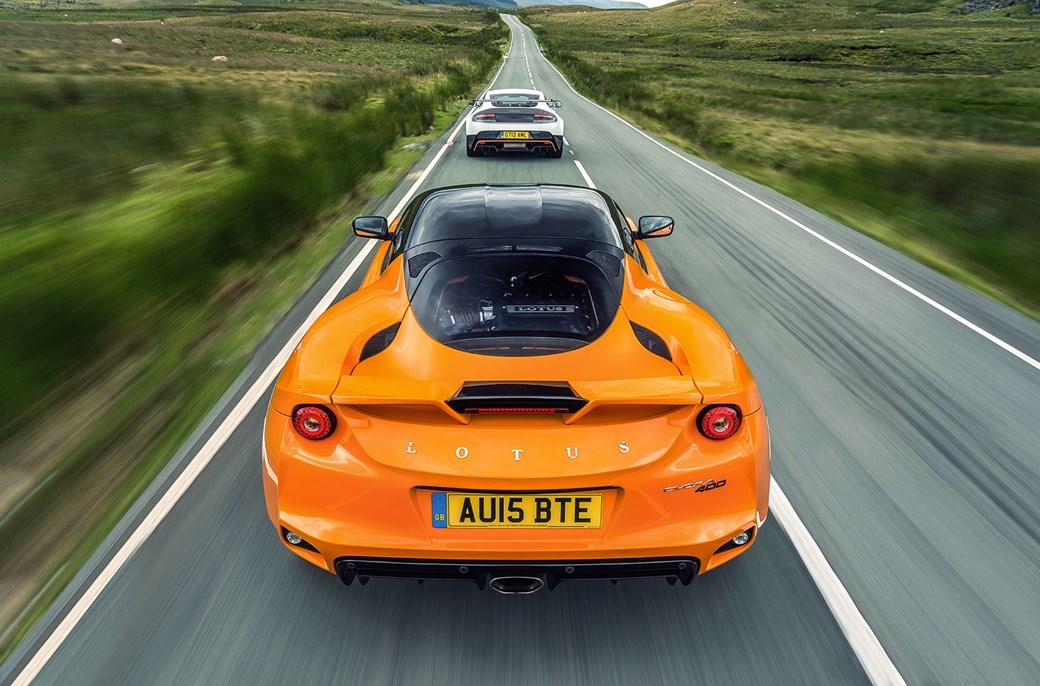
(557, 104)
(655, 227)
(371, 227)
(472, 103)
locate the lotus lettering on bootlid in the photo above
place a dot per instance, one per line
(462, 452)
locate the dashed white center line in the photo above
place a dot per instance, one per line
(873, 657)
(216, 441)
(963, 321)
(527, 61)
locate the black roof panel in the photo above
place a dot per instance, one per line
(515, 211)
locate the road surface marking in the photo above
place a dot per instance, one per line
(871, 654)
(216, 440)
(861, 638)
(1032, 362)
(584, 174)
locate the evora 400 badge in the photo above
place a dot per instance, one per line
(697, 486)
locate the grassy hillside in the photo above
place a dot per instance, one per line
(160, 210)
(912, 120)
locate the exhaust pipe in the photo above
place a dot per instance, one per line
(517, 585)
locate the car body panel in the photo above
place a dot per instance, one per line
(546, 134)
(365, 491)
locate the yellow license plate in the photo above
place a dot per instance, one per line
(515, 134)
(517, 511)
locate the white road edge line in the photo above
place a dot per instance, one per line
(584, 174)
(202, 458)
(1032, 362)
(872, 656)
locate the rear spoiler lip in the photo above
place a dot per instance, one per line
(659, 391)
(477, 101)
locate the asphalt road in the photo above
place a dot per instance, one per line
(907, 443)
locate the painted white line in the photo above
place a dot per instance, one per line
(183, 481)
(527, 60)
(584, 174)
(216, 440)
(1004, 345)
(877, 664)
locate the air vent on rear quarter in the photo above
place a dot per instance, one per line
(418, 263)
(548, 397)
(607, 262)
(651, 341)
(379, 342)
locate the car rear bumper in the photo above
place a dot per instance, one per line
(551, 572)
(346, 506)
(493, 140)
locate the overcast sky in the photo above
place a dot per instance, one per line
(653, 3)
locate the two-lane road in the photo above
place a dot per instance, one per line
(906, 441)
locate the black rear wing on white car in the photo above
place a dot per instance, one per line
(515, 104)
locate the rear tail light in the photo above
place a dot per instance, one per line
(484, 117)
(718, 421)
(313, 422)
(544, 117)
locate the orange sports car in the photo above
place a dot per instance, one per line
(514, 397)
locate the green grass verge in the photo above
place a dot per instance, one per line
(160, 214)
(910, 120)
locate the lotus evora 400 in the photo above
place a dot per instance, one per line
(515, 397)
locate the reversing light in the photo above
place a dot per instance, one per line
(313, 422)
(297, 541)
(738, 541)
(718, 422)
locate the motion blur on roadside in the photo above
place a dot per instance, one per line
(915, 121)
(171, 179)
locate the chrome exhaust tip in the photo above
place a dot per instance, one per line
(517, 585)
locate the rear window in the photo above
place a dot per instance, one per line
(514, 100)
(515, 305)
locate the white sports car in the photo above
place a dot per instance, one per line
(514, 119)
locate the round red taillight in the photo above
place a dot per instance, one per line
(313, 421)
(718, 422)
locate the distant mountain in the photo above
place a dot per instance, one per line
(600, 4)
